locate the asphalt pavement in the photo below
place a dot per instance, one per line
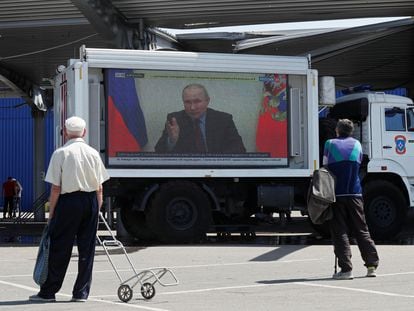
(287, 269)
(222, 276)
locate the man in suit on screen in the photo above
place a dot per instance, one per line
(199, 129)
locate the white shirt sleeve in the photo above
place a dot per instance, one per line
(54, 171)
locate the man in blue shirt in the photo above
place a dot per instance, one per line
(343, 156)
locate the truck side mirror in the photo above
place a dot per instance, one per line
(410, 119)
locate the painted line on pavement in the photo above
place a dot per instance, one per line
(94, 298)
(123, 304)
(361, 290)
(244, 263)
(220, 288)
(210, 265)
(184, 266)
(298, 283)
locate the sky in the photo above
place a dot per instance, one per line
(339, 23)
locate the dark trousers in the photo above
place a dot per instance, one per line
(8, 207)
(75, 219)
(16, 206)
(349, 219)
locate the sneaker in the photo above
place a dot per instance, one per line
(343, 275)
(371, 272)
(38, 298)
(78, 299)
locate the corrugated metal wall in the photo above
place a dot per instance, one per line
(16, 145)
(49, 141)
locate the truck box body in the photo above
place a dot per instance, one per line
(236, 84)
(126, 95)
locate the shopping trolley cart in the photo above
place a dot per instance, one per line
(145, 278)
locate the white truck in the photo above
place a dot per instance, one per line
(269, 103)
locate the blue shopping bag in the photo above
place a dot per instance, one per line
(42, 260)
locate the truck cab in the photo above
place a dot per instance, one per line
(384, 124)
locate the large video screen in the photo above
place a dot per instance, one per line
(203, 119)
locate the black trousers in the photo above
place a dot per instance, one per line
(349, 219)
(75, 219)
(16, 206)
(8, 207)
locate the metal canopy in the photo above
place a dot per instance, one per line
(38, 35)
(196, 14)
(381, 54)
(201, 13)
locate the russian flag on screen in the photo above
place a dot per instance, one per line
(127, 131)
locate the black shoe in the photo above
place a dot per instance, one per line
(38, 298)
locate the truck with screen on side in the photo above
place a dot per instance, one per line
(253, 149)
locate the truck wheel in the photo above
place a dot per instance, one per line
(385, 209)
(179, 212)
(135, 222)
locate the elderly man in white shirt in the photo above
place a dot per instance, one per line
(76, 173)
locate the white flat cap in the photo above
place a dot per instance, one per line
(75, 124)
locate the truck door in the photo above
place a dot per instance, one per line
(398, 136)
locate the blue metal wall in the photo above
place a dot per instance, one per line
(49, 139)
(16, 145)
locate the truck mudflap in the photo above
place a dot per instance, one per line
(275, 198)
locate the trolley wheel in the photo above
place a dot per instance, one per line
(125, 293)
(147, 290)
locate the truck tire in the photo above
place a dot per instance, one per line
(179, 212)
(134, 222)
(385, 209)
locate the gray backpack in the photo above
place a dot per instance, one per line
(321, 195)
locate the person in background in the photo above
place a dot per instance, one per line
(9, 188)
(343, 156)
(76, 173)
(17, 197)
(199, 129)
